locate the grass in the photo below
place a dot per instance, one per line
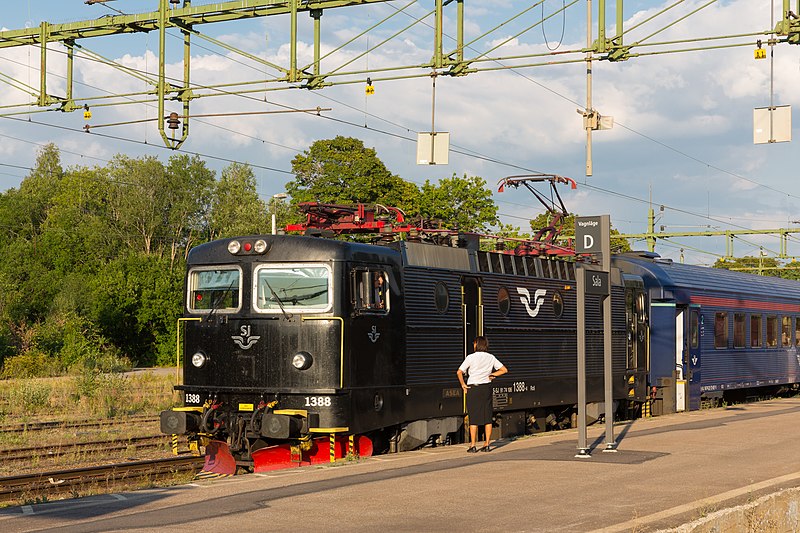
(89, 394)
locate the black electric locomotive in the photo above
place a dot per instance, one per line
(293, 342)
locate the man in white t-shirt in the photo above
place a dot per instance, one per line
(481, 367)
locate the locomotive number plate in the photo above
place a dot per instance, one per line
(318, 401)
(192, 398)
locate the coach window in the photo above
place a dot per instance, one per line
(739, 330)
(720, 330)
(695, 332)
(755, 331)
(786, 331)
(370, 291)
(772, 331)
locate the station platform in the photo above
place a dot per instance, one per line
(667, 471)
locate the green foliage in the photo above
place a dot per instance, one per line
(30, 364)
(765, 266)
(103, 393)
(136, 301)
(344, 171)
(236, 208)
(509, 231)
(77, 243)
(791, 270)
(29, 397)
(462, 203)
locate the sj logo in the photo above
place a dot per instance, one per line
(525, 298)
(245, 341)
(374, 335)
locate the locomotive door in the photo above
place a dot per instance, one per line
(372, 330)
(471, 312)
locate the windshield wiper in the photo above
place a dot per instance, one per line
(309, 296)
(218, 302)
(277, 298)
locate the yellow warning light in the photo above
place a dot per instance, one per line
(631, 392)
(86, 113)
(631, 379)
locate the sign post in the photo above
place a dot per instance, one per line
(580, 278)
(593, 236)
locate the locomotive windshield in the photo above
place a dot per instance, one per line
(214, 289)
(295, 288)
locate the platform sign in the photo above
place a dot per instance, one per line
(589, 235)
(593, 236)
(597, 283)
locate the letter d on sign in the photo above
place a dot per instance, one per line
(588, 242)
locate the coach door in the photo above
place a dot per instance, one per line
(691, 363)
(681, 357)
(471, 312)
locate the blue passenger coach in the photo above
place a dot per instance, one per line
(715, 334)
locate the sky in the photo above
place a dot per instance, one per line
(683, 122)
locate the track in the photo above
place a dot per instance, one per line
(51, 485)
(75, 424)
(84, 448)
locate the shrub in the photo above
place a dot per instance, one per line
(29, 396)
(33, 363)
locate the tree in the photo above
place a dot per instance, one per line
(23, 210)
(139, 203)
(236, 208)
(135, 302)
(752, 265)
(191, 187)
(462, 203)
(343, 171)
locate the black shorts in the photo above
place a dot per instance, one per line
(479, 404)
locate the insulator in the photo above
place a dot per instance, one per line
(173, 122)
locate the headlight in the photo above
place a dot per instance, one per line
(302, 360)
(261, 246)
(234, 247)
(199, 360)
